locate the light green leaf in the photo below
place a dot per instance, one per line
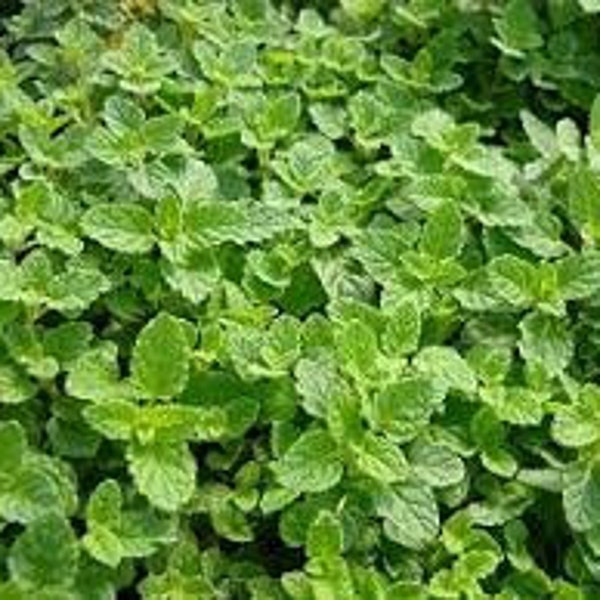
(160, 360)
(519, 27)
(514, 280)
(318, 383)
(595, 122)
(325, 538)
(540, 135)
(36, 487)
(15, 386)
(378, 457)
(403, 408)
(517, 405)
(114, 419)
(363, 9)
(121, 227)
(95, 375)
(239, 222)
(175, 585)
(581, 497)
(161, 134)
(13, 445)
(114, 534)
(45, 554)
(356, 343)
(447, 368)
(402, 330)
(410, 513)
(436, 465)
(577, 424)
(545, 341)
(163, 472)
(490, 362)
(230, 522)
(489, 435)
(312, 463)
(584, 199)
(443, 232)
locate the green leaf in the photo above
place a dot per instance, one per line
(402, 330)
(311, 464)
(45, 554)
(515, 404)
(114, 419)
(580, 497)
(519, 26)
(160, 360)
(357, 346)
(122, 115)
(443, 232)
(161, 134)
(595, 122)
(68, 341)
(176, 585)
(541, 136)
(163, 472)
(436, 465)
(239, 222)
(230, 522)
(36, 487)
(402, 409)
(489, 435)
(363, 9)
(115, 534)
(447, 368)
(139, 61)
(584, 200)
(381, 459)
(578, 276)
(13, 445)
(121, 227)
(410, 514)
(577, 424)
(329, 119)
(514, 280)
(318, 384)
(325, 538)
(490, 363)
(95, 375)
(103, 516)
(15, 386)
(194, 272)
(545, 341)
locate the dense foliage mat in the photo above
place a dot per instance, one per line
(300, 301)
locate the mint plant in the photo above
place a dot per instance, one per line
(300, 300)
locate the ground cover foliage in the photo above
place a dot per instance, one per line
(300, 301)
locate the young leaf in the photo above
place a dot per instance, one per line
(402, 330)
(381, 459)
(546, 341)
(163, 472)
(443, 232)
(160, 360)
(436, 465)
(580, 497)
(447, 368)
(325, 538)
(45, 554)
(312, 463)
(410, 514)
(121, 227)
(595, 122)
